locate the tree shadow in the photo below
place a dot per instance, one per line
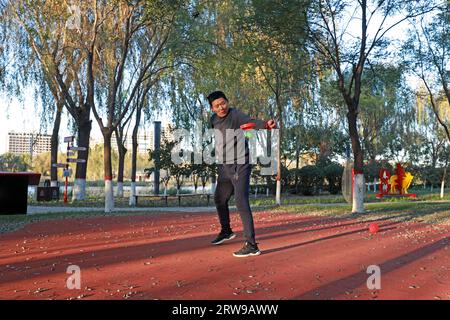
(354, 281)
(87, 223)
(165, 247)
(326, 228)
(292, 246)
(107, 256)
(286, 225)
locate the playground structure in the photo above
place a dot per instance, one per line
(396, 185)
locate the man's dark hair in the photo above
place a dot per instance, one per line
(215, 95)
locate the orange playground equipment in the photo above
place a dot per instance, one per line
(396, 185)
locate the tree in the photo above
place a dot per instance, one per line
(348, 56)
(279, 54)
(21, 70)
(241, 48)
(427, 54)
(40, 164)
(64, 44)
(166, 52)
(14, 163)
(5, 38)
(218, 57)
(164, 157)
(431, 143)
(140, 102)
(118, 42)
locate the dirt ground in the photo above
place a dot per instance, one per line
(169, 256)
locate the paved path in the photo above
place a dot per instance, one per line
(39, 210)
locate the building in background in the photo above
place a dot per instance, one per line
(28, 143)
(143, 140)
(146, 140)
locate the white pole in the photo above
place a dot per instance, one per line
(132, 201)
(358, 194)
(109, 196)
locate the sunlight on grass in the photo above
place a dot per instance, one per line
(437, 212)
(326, 206)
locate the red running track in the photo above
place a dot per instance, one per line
(169, 256)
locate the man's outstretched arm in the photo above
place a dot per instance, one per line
(259, 124)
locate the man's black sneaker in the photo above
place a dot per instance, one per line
(223, 236)
(248, 249)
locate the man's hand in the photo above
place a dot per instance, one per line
(271, 124)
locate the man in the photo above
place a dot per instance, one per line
(234, 173)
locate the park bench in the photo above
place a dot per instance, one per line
(167, 197)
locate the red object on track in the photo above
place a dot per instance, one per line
(248, 126)
(373, 228)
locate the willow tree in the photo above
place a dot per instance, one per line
(339, 33)
(4, 38)
(237, 47)
(63, 41)
(427, 53)
(156, 44)
(121, 134)
(206, 61)
(123, 25)
(278, 54)
(21, 70)
(140, 102)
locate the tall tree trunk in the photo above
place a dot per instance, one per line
(109, 195)
(134, 152)
(358, 186)
(434, 106)
(54, 145)
(443, 181)
(297, 165)
(444, 176)
(279, 153)
(122, 153)
(84, 133)
(195, 180)
(204, 181)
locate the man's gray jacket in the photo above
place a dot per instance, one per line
(231, 147)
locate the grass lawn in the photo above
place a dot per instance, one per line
(201, 200)
(428, 212)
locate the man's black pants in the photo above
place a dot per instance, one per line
(235, 178)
